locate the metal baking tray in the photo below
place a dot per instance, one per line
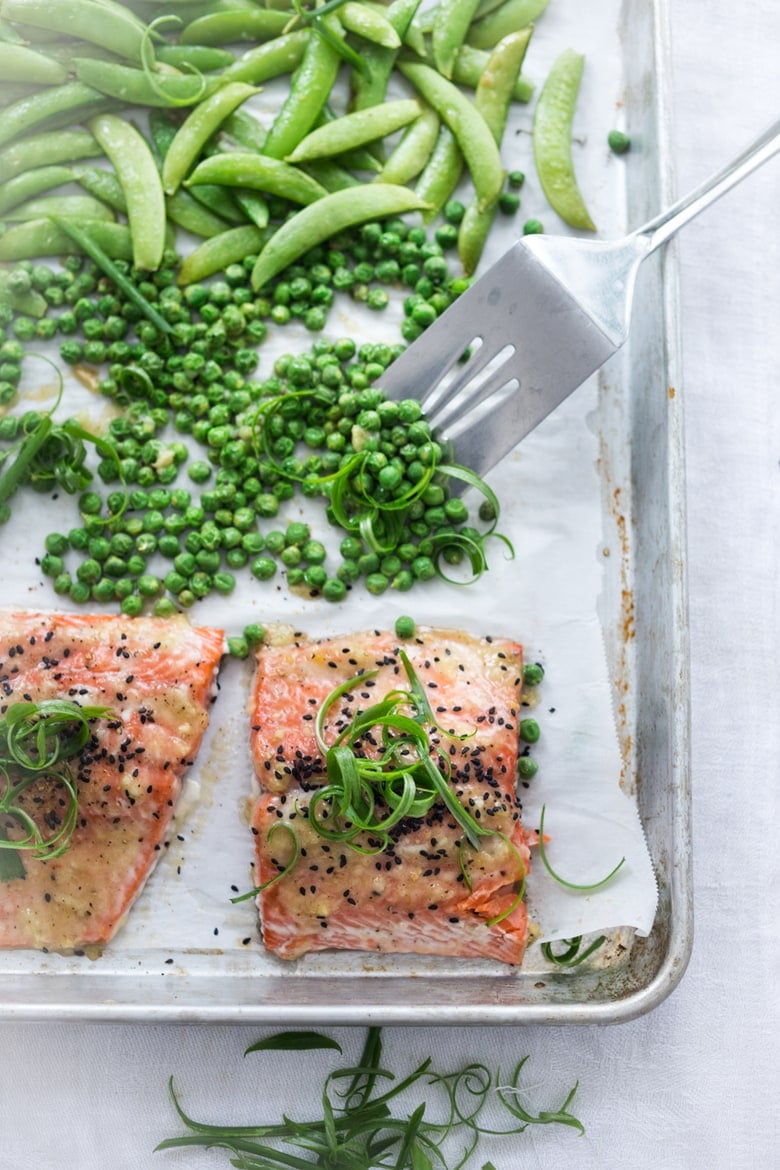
(638, 417)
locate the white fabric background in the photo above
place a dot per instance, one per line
(696, 1081)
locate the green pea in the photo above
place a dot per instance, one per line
(527, 767)
(529, 730)
(263, 568)
(618, 141)
(533, 673)
(334, 589)
(405, 627)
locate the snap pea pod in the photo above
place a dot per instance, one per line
(327, 217)
(553, 118)
(258, 172)
(185, 211)
(473, 136)
(14, 93)
(492, 98)
(69, 206)
(204, 58)
(528, 10)
(20, 63)
(132, 159)
(137, 87)
(103, 184)
(254, 206)
(245, 129)
(30, 304)
(31, 183)
(358, 158)
(509, 17)
(470, 65)
(441, 174)
(58, 103)
(196, 130)
(214, 255)
(227, 28)
(450, 25)
(9, 34)
(47, 148)
(271, 59)
(113, 27)
(414, 149)
(310, 89)
(214, 199)
(356, 129)
(43, 237)
(330, 174)
(368, 23)
(370, 87)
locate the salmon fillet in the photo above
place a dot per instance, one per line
(157, 677)
(428, 891)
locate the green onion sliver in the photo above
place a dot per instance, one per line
(562, 881)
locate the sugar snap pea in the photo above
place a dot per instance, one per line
(185, 211)
(214, 255)
(47, 148)
(441, 174)
(271, 59)
(20, 63)
(114, 27)
(469, 127)
(492, 98)
(245, 129)
(451, 23)
(31, 183)
(137, 87)
(330, 174)
(411, 153)
(325, 218)
(43, 237)
(356, 129)
(369, 24)
(310, 89)
(197, 128)
(103, 184)
(129, 153)
(470, 65)
(369, 88)
(227, 28)
(258, 172)
(69, 206)
(506, 18)
(204, 58)
(58, 103)
(215, 199)
(552, 140)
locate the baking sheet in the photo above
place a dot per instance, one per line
(185, 952)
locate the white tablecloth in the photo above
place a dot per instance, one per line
(695, 1082)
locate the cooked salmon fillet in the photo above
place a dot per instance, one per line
(157, 677)
(429, 891)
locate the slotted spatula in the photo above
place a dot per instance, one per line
(540, 321)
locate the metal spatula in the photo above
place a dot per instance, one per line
(548, 314)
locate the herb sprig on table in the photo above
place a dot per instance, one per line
(358, 1129)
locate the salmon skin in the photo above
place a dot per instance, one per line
(428, 891)
(157, 677)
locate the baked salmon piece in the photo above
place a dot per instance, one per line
(422, 888)
(156, 676)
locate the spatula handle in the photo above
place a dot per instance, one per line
(668, 222)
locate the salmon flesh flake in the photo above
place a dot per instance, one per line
(413, 896)
(157, 677)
